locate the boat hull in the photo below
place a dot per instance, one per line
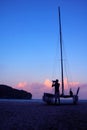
(50, 98)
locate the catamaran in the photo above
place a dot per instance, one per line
(48, 97)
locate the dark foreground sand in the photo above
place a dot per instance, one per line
(39, 116)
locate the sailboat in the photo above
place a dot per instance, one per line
(48, 97)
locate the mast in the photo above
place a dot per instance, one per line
(61, 52)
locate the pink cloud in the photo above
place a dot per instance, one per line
(73, 84)
(47, 83)
(37, 89)
(21, 85)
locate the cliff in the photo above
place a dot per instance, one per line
(7, 92)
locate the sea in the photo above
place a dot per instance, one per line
(41, 101)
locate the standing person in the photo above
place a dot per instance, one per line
(56, 84)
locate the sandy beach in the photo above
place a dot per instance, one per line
(29, 115)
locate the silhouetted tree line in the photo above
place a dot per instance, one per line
(7, 92)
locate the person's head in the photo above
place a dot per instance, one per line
(57, 80)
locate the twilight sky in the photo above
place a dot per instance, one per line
(29, 44)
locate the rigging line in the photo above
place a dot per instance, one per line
(56, 60)
(66, 59)
(67, 79)
(67, 66)
(61, 47)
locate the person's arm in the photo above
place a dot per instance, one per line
(53, 85)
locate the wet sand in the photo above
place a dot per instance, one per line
(39, 116)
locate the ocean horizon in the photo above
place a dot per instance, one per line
(41, 101)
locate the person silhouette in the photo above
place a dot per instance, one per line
(71, 93)
(56, 84)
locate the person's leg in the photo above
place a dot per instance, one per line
(55, 98)
(59, 98)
